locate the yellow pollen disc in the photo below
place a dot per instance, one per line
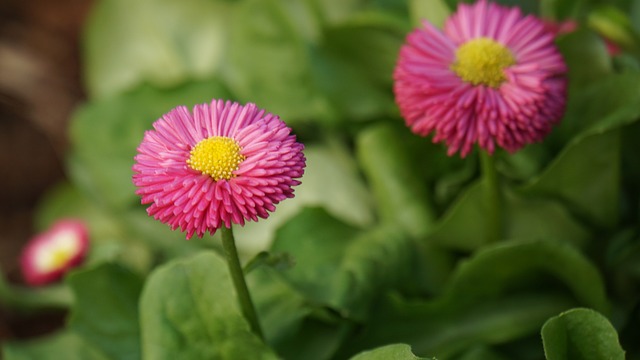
(482, 61)
(217, 156)
(60, 257)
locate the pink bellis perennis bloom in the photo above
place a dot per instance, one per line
(492, 76)
(223, 163)
(49, 255)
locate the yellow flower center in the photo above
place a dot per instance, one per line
(57, 253)
(482, 61)
(217, 156)
(59, 257)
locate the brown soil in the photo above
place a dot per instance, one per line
(40, 85)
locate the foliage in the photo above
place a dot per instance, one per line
(386, 251)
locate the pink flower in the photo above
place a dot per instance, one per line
(49, 255)
(493, 76)
(225, 163)
(569, 26)
(558, 28)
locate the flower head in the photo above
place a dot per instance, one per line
(491, 77)
(49, 255)
(224, 163)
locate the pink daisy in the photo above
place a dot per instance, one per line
(224, 163)
(493, 76)
(49, 255)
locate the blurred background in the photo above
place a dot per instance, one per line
(39, 88)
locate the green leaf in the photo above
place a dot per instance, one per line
(106, 133)
(585, 176)
(481, 353)
(339, 266)
(355, 83)
(433, 11)
(160, 42)
(344, 86)
(581, 334)
(28, 299)
(463, 226)
(492, 271)
(536, 218)
(586, 57)
(106, 311)
(64, 345)
(188, 310)
(526, 218)
(331, 181)
(293, 325)
(364, 34)
(500, 294)
(401, 195)
(614, 24)
(302, 236)
(269, 62)
(445, 331)
(559, 10)
(607, 104)
(389, 352)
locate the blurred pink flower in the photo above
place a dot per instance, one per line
(568, 26)
(223, 164)
(49, 255)
(492, 77)
(560, 27)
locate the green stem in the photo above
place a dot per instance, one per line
(237, 275)
(493, 198)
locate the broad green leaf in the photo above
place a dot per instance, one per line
(585, 176)
(614, 24)
(559, 10)
(331, 181)
(355, 83)
(345, 86)
(481, 353)
(581, 334)
(536, 218)
(498, 295)
(400, 194)
(29, 299)
(332, 12)
(444, 332)
(105, 314)
(188, 310)
(269, 62)
(292, 325)
(159, 42)
(492, 271)
(64, 345)
(609, 103)
(317, 242)
(433, 11)
(634, 15)
(586, 57)
(463, 226)
(527, 6)
(339, 266)
(389, 352)
(356, 40)
(105, 134)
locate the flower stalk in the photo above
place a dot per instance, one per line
(493, 197)
(239, 283)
